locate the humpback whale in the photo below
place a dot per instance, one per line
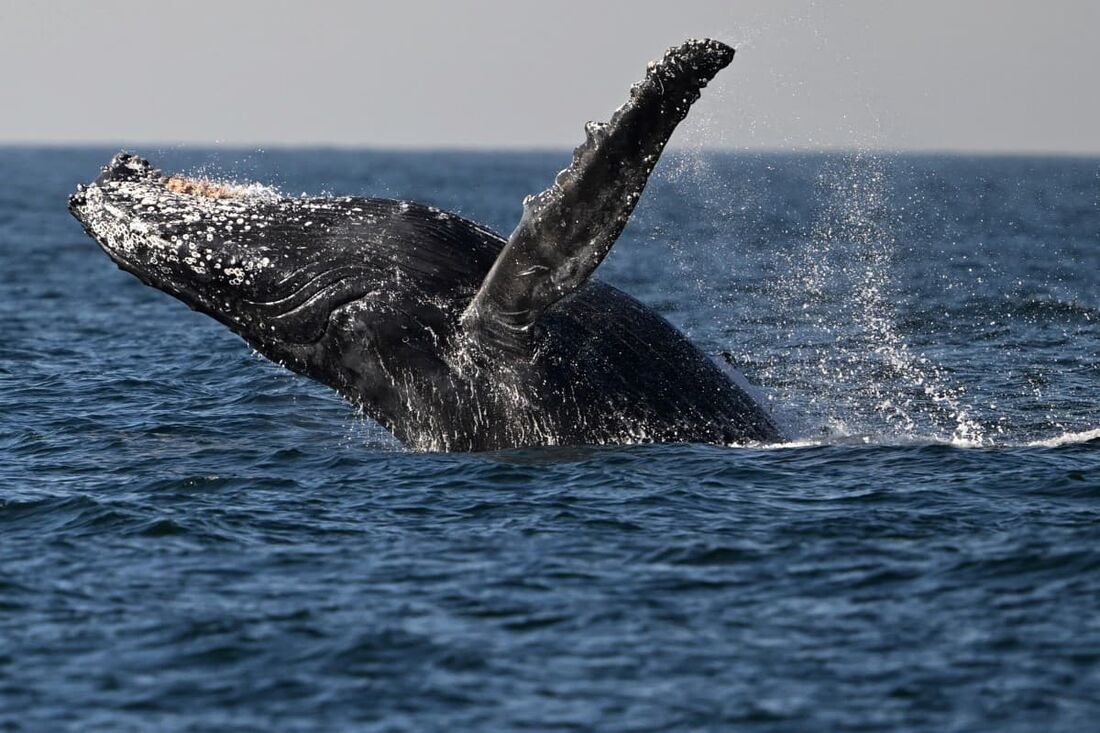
(450, 336)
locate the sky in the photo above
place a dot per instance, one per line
(922, 75)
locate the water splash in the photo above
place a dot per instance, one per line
(841, 295)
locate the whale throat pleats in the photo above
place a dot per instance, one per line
(568, 229)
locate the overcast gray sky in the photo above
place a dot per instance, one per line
(979, 75)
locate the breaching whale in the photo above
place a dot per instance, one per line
(451, 337)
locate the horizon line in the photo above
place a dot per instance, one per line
(254, 147)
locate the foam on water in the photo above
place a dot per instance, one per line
(1084, 436)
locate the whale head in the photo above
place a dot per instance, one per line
(270, 267)
(305, 281)
(221, 248)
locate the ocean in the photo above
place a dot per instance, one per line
(193, 539)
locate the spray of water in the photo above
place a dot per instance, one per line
(844, 277)
(845, 366)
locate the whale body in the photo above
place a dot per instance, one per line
(449, 335)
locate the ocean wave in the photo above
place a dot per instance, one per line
(1082, 436)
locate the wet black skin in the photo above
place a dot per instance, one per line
(374, 298)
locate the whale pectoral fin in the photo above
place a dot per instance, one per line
(568, 229)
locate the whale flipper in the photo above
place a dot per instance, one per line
(568, 229)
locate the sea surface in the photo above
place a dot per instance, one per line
(193, 539)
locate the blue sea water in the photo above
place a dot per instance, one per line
(192, 539)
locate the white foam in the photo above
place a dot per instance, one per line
(840, 438)
(1083, 436)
